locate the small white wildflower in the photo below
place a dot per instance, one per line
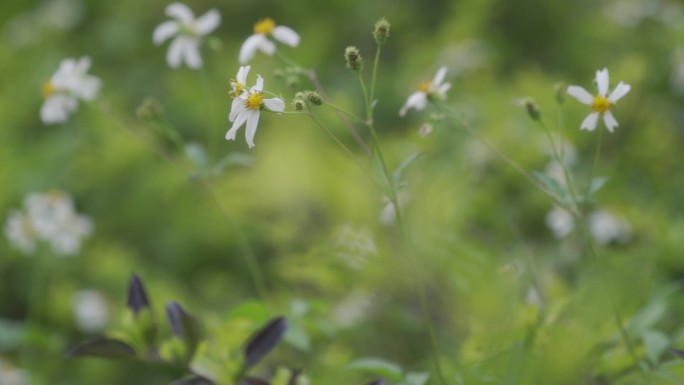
(50, 217)
(188, 31)
(20, 232)
(238, 88)
(601, 103)
(247, 109)
(560, 221)
(90, 310)
(606, 227)
(428, 89)
(70, 83)
(259, 41)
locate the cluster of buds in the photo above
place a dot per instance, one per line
(303, 99)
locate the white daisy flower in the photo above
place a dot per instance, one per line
(188, 33)
(70, 83)
(238, 87)
(20, 232)
(601, 103)
(427, 90)
(247, 107)
(259, 41)
(560, 221)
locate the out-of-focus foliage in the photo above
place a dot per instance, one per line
(509, 302)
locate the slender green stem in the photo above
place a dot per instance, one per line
(559, 160)
(369, 112)
(336, 108)
(597, 154)
(374, 75)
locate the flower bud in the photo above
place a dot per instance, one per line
(381, 31)
(532, 109)
(299, 104)
(559, 91)
(314, 98)
(149, 109)
(353, 58)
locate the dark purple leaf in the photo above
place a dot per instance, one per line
(261, 343)
(137, 297)
(254, 381)
(678, 352)
(196, 380)
(102, 347)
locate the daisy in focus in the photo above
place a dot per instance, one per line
(260, 42)
(188, 31)
(70, 83)
(427, 90)
(602, 103)
(247, 105)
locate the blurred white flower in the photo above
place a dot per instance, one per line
(247, 107)
(601, 103)
(90, 310)
(354, 246)
(560, 221)
(353, 308)
(388, 214)
(427, 90)
(259, 41)
(188, 31)
(606, 228)
(20, 232)
(70, 83)
(49, 217)
(11, 375)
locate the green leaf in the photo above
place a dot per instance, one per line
(298, 337)
(647, 317)
(551, 186)
(656, 343)
(596, 184)
(103, 348)
(416, 378)
(399, 172)
(378, 367)
(252, 310)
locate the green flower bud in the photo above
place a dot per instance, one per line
(381, 31)
(314, 98)
(532, 109)
(149, 109)
(353, 58)
(559, 91)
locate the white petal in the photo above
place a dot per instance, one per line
(439, 76)
(580, 94)
(589, 123)
(56, 108)
(621, 90)
(286, 35)
(175, 52)
(610, 121)
(417, 100)
(239, 121)
(259, 84)
(602, 81)
(164, 31)
(275, 104)
(208, 22)
(191, 54)
(87, 87)
(443, 89)
(242, 74)
(82, 65)
(266, 46)
(252, 121)
(249, 47)
(235, 108)
(180, 12)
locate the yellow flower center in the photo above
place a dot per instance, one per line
(424, 87)
(254, 101)
(601, 104)
(48, 88)
(264, 26)
(237, 88)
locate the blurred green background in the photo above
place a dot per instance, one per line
(306, 210)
